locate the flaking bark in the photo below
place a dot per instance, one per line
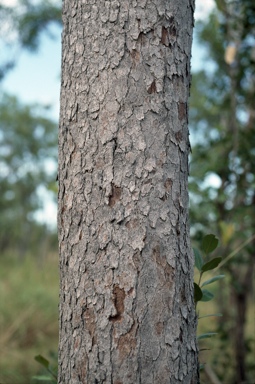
(126, 269)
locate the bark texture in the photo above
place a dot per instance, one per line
(126, 294)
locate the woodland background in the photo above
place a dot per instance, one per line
(222, 188)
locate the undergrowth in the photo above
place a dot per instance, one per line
(28, 315)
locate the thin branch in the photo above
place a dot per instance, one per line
(232, 254)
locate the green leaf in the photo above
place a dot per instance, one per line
(199, 262)
(212, 280)
(211, 264)
(213, 314)
(206, 335)
(41, 360)
(198, 294)
(207, 295)
(209, 243)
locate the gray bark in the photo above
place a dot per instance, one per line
(126, 270)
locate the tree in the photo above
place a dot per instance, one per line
(126, 304)
(27, 148)
(28, 139)
(222, 120)
(21, 27)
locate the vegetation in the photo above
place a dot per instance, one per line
(21, 27)
(28, 153)
(223, 127)
(28, 315)
(52, 370)
(28, 157)
(28, 138)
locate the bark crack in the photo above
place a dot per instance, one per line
(115, 195)
(118, 300)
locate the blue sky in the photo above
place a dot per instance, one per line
(36, 77)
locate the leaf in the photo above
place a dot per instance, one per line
(198, 294)
(207, 295)
(209, 243)
(41, 360)
(213, 314)
(212, 280)
(199, 262)
(211, 264)
(206, 335)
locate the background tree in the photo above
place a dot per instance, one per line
(28, 137)
(28, 149)
(21, 27)
(27, 164)
(223, 126)
(126, 306)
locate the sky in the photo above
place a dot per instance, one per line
(36, 79)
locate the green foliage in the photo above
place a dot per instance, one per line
(35, 19)
(28, 153)
(213, 279)
(222, 181)
(27, 164)
(52, 375)
(198, 259)
(28, 139)
(198, 294)
(212, 264)
(222, 127)
(213, 314)
(208, 245)
(21, 27)
(28, 315)
(206, 335)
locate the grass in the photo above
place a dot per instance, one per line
(218, 351)
(28, 315)
(29, 321)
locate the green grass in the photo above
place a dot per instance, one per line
(219, 351)
(29, 321)
(28, 315)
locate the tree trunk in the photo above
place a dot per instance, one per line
(240, 293)
(126, 302)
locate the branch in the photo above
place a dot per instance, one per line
(211, 374)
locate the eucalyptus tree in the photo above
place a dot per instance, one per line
(126, 269)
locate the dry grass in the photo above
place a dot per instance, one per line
(28, 315)
(29, 321)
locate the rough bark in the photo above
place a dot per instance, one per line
(126, 269)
